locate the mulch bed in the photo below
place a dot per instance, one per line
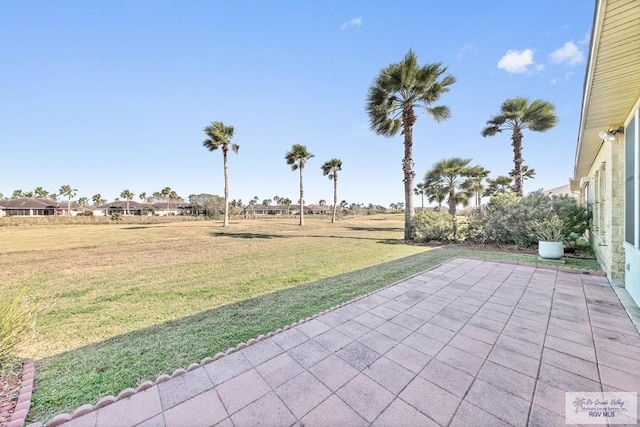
(9, 390)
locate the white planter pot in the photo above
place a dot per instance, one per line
(550, 250)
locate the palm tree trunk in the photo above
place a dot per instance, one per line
(422, 196)
(408, 119)
(301, 198)
(516, 141)
(335, 196)
(225, 219)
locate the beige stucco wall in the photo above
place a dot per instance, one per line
(606, 194)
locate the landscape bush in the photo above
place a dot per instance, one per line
(431, 226)
(508, 219)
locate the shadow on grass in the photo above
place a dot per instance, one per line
(84, 375)
(139, 227)
(375, 228)
(248, 235)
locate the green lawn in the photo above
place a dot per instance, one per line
(123, 303)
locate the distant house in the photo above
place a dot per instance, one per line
(563, 190)
(119, 207)
(260, 209)
(318, 209)
(28, 206)
(172, 208)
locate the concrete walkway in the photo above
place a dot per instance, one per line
(468, 343)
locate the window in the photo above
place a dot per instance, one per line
(630, 195)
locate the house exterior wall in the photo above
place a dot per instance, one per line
(606, 202)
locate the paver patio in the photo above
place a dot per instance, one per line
(468, 343)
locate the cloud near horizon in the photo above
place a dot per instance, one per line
(568, 54)
(353, 22)
(518, 62)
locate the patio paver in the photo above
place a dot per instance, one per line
(469, 342)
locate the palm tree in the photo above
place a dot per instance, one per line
(165, 193)
(69, 193)
(516, 115)
(476, 183)
(453, 174)
(28, 194)
(502, 184)
(287, 202)
(97, 199)
(17, 194)
(143, 196)
(420, 190)
(435, 192)
(83, 201)
(220, 137)
(40, 193)
(297, 158)
(391, 102)
(128, 196)
(331, 168)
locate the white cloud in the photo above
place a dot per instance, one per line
(354, 22)
(517, 62)
(568, 54)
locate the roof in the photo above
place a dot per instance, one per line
(122, 204)
(612, 80)
(29, 203)
(563, 190)
(172, 205)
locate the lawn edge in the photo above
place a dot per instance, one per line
(128, 392)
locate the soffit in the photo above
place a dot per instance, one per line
(612, 84)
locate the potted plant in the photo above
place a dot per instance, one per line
(550, 232)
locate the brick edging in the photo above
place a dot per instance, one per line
(24, 395)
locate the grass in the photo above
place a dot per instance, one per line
(120, 303)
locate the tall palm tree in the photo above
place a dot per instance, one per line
(453, 174)
(391, 102)
(69, 193)
(128, 196)
(297, 158)
(420, 190)
(220, 137)
(516, 115)
(331, 168)
(143, 196)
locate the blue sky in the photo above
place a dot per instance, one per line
(106, 96)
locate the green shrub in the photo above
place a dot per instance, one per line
(116, 217)
(427, 226)
(508, 219)
(15, 319)
(87, 213)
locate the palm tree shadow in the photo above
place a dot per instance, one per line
(248, 235)
(376, 228)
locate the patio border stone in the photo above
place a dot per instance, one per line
(24, 395)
